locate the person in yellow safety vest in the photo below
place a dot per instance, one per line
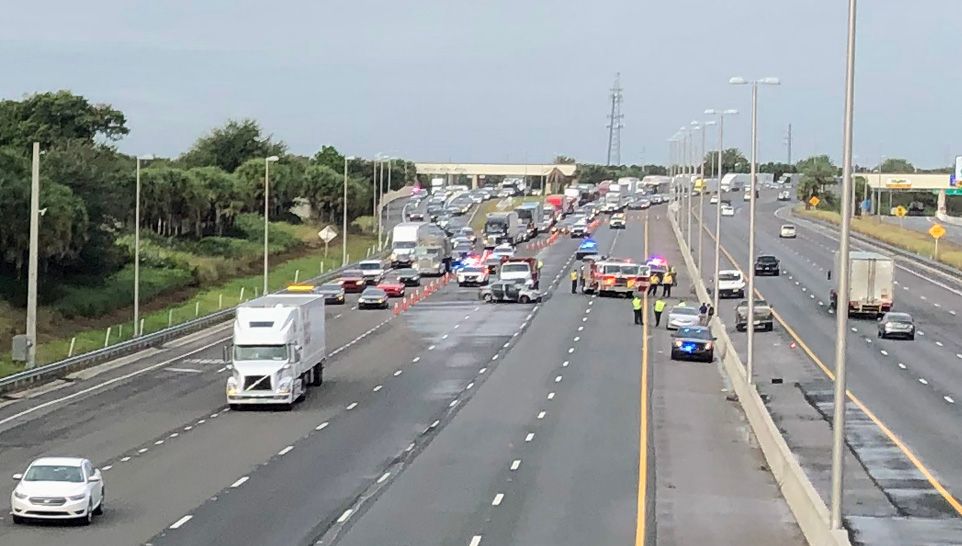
(636, 307)
(574, 281)
(666, 284)
(653, 285)
(659, 309)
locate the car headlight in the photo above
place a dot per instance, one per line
(708, 346)
(19, 495)
(80, 497)
(284, 386)
(231, 385)
(678, 343)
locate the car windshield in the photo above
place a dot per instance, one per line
(684, 311)
(405, 244)
(373, 293)
(276, 353)
(729, 277)
(370, 266)
(899, 317)
(791, 227)
(694, 333)
(767, 259)
(407, 272)
(467, 232)
(54, 473)
(514, 268)
(352, 273)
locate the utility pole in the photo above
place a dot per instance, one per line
(615, 123)
(32, 260)
(788, 143)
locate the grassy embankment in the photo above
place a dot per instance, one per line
(908, 239)
(179, 281)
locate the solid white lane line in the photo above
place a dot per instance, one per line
(383, 477)
(343, 517)
(285, 451)
(497, 499)
(529, 437)
(541, 415)
(351, 406)
(177, 524)
(321, 426)
(515, 464)
(240, 482)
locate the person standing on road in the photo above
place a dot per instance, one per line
(574, 280)
(703, 314)
(659, 308)
(653, 286)
(637, 309)
(666, 284)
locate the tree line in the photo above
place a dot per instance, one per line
(87, 186)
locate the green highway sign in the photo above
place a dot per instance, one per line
(954, 191)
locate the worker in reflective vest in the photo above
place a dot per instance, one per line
(659, 309)
(636, 308)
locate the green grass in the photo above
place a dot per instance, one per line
(907, 239)
(199, 303)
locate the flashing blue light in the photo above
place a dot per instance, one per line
(689, 347)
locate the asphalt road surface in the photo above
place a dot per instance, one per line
(903, 429)
(455, 422)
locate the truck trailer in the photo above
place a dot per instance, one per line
(870, 284)
(278, 350)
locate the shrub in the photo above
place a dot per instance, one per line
(117, 291)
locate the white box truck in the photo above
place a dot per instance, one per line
(278, 350)
(406, 237)
(502, 227)
(871, 286)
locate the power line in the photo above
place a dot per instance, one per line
(615, 123)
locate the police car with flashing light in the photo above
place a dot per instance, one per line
(588, 247)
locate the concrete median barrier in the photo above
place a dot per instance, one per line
(808, 508)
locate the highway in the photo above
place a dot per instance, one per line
(455, 422)
(953, 233)
(902, 431)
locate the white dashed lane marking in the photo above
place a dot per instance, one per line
(286, 450)
(515, 464)
(240, 482)
(497, 499)
(177, 524)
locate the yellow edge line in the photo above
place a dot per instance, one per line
(643, 448)
(946, 494)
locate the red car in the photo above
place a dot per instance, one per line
(353, 281)
(393, 287)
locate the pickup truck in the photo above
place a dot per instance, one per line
(524, 270)
(731, 284)
(763, 316)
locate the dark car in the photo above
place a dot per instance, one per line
(693, 343)
(373, 298)
(353, 281)
(416, 216)
(409, 276)
(766, 265)
(896, 325)
(333, 292)
(509, 291)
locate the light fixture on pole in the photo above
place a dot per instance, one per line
(267, 200)
(721, 172)
(753, 187)
(344, 219)
(841, 312)
(137, 330)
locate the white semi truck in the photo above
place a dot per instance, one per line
(278, 350)
(407, 237)
(871, 286)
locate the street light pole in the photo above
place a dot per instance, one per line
(750, 323)
(841, 311)
(374, 192)
(32, 259)
(344, 219)
(721, 172)
(691, 175)
(267, 200)
(137, 331)
(701, 194)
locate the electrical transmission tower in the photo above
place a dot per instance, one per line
(615, 123)
(788, 143)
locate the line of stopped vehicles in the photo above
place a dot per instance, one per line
(278, 348)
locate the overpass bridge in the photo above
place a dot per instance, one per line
(549, 174)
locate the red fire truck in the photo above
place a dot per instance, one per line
(616, 276)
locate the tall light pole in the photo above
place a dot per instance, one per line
(344, 219)
(32, 265)
(750, 360)
(691, 168)
(701, 194)
(374, 192)
(136, 330)
(721, 172)
(267, 200)
(841, 311)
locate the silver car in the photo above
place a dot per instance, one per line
(681, 316)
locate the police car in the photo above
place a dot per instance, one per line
(588, 247)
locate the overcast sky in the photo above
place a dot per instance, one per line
(499, 80)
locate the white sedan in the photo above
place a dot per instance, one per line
(787, 231)
(727, 210)
(503, 250)
(714, 199)
(58, 488)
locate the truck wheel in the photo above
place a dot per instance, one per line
(234, 407)
(524, 299)
(487, 298)
(317, 375)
